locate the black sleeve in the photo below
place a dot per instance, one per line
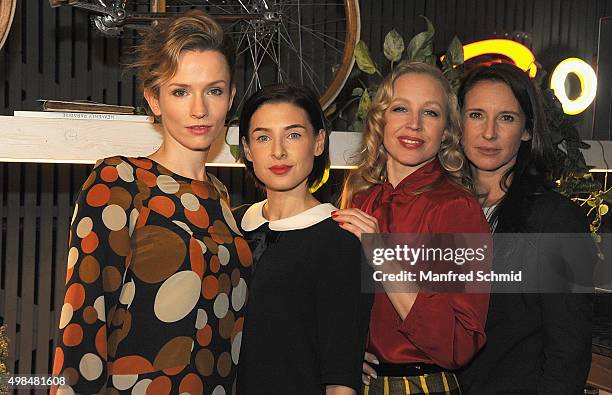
(343, 312)
(567, 317)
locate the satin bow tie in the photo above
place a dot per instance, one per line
(259, 240)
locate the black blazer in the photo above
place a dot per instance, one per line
(537, 343)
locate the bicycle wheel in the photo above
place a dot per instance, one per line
(7, 11)
(308, 42)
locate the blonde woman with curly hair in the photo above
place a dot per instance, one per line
(411, 179)
(157, 268)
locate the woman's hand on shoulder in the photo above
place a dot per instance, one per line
(368, 372)
(356, 221)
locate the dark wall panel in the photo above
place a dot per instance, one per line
(56, 53)
(553, 29)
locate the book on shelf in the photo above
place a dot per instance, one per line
(84, 116)
(84, 106)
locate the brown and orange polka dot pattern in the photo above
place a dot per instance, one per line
(156, 285)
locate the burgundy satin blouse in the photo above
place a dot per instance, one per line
(442, 329)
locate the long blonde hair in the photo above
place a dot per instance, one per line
(372, 158)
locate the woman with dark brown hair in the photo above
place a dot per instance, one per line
(538, 338)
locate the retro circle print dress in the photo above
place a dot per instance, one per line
(156, 285)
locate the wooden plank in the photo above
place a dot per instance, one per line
(14, 48)
(481, 31)
(600, 374)
(84, 141)
(12, 260)
(31, 77)
(64, 52)
(555, 24)
(111, 70)
(236, 189)
(468, 21)
(64, 213)
(97, 66)
(126, 89)
(565, 24)
(49, 87)
(80, 41)
(44, 301)
(28, 269)
(3, 189)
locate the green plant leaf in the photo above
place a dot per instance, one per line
(364, 105)
(393, 46)
(356, 126)
(431, 59)
(454, 53)
(235, 151)
(329, 111)
(420, 48)
(603, 209)
(363, 58)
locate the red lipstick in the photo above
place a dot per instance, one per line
(280, 169)
(410, 142)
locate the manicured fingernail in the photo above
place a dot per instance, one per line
(334, 214)
(340, 223)
(375, 362)
(374, 375)
(366, 382)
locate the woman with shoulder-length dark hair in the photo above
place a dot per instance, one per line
(307, 318)
(537, 341)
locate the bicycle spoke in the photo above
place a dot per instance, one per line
(244, 7)
(324, 23)
(257, 61)
(312, 4)
(318, 35)
(186, 3)
(302, 62)
(281, 41)
(244, 34)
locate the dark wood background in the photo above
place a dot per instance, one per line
(53, 53)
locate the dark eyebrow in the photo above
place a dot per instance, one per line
(473, 109)
(180, 85)
(294, 126)
(501, 112)
(427, 103)
(260, 130)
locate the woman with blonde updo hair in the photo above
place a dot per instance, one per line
(411, 178)
(157, 268)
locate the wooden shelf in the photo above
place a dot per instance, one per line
(84, 141)
(46, 140)
(600, 375)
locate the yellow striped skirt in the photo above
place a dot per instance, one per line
(442, 383)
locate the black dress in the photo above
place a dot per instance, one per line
(307, 318)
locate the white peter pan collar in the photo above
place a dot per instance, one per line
(253, 218)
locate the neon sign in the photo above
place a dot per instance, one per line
(588, 85)
(525, 60)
